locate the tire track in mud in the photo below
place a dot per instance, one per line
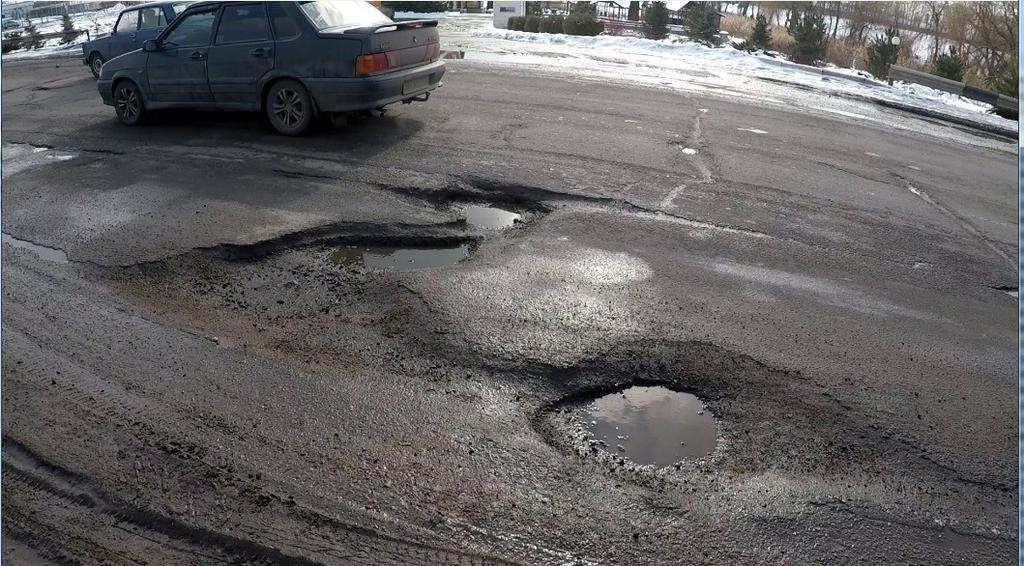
(71, 383)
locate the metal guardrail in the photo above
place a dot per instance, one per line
(897, 73)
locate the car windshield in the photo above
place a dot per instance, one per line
(343, 14)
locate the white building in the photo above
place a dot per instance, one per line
(505, 10)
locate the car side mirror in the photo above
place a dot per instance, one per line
(150, 45)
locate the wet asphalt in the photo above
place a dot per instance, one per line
(232, 366)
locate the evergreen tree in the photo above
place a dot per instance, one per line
(656, 21)
(702, 21)
(35, 39)
(808, 31)
(534, 9)
(634, 11)
(70, 33)
(882, 53)
(761, 38)
(950, 65)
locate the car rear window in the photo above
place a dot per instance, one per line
(325, 15)
(285, 27)
(129, 22)
(179, 7)
(247, 22)
(152, 18)
(192, 29)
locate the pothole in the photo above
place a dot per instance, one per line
(387, 258)
(45, 253)
(650, 426)
(490, 218)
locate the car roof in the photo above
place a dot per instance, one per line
(146, 5)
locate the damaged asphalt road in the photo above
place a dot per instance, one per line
(202, 381)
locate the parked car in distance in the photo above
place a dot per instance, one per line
(10, 23)
(134, 25)
(291, 60)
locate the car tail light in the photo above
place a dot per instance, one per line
(434, 52)
(370, 64)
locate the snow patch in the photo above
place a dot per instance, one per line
(689, 151)
(752, 130)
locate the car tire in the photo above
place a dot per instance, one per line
(95, 64)
(128, 103)
(289, 108)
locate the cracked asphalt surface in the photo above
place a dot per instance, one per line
(200, 384)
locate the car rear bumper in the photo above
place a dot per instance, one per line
(365, 93)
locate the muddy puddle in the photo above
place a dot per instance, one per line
(651, 425)
(400, 259)
(490, 218)
(45, 253)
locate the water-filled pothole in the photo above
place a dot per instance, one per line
(48, 254)
(400, 259)
(490, 218)
(651, 425)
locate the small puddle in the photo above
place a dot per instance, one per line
(651, 425)
(45, 253)
(490, 218)
(401, 259)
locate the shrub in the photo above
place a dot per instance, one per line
(582, 23)
(808, 31)
(656, 21)
(882, 53)
(950, 65)
(552, 24)
(583, 8)
(846, 54)
(532, 24)
(760, 36)
(739, 27)
(517, 23)
(702, 21)
(12, 42)
(534, 9)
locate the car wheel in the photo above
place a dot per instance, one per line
(128, 103)
(289, 108)
(95, 64)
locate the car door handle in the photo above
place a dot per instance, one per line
(259, 52)
(198, 55)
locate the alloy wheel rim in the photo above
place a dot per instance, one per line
(127, 102)
(288, 108)
(97, 65)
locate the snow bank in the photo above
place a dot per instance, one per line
(675, 61)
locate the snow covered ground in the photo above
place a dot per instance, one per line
(98, 23)
(683, 65)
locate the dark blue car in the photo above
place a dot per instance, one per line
(133, 26)
(291, 60)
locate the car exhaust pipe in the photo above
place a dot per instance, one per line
(418, 98)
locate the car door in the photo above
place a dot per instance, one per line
(177, 70)
(152, 21)
(241, 54)
(122, 39)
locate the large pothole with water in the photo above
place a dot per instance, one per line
(648, 426)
